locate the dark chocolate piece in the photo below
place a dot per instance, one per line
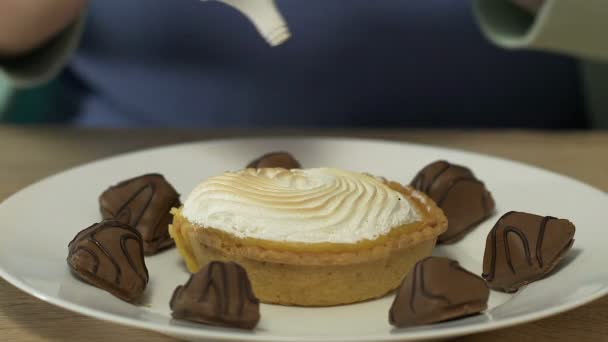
(522, 248)
(218, 294)
(110, 255)
(275, 159)
(145, 203)
(463, 198)
(436, 290)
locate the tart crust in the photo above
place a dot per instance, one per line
(318, 274)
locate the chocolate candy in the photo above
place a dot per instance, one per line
(219, 294)
(462, 197)
(110, 255)
(436, 290)
(275, 159)
(143, 202)
(522, 248)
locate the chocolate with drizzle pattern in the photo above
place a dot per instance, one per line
(438, 289)
(219, 294)
(522, 248)
(275, 159)
(463, 198)
(109, 255)
(145, 203)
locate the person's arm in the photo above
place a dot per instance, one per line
(37, 37)
(531, 6)
(572, 27)
(28, 24)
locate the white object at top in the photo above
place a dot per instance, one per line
(266, 18)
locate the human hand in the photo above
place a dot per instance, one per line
(531, 6)
(25, 25)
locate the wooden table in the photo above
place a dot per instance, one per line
(28, 154)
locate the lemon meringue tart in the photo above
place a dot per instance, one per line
(309, 237)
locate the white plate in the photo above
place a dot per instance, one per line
(38, 222)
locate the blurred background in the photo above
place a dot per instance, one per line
(432, 63)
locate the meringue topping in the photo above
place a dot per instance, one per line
(299, 205)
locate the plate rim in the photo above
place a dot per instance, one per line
(231, 334)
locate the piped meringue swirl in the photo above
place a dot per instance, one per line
(300, 205)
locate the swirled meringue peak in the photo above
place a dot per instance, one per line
(299, 205)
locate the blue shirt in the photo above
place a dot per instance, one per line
(349, 63)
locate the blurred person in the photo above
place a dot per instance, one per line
(422, 63)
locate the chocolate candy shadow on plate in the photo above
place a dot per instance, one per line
(438, 289)
(277, 159)
(522, 248)
(109, 255)
(145, 203)
(463, 198)
(219, 294)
